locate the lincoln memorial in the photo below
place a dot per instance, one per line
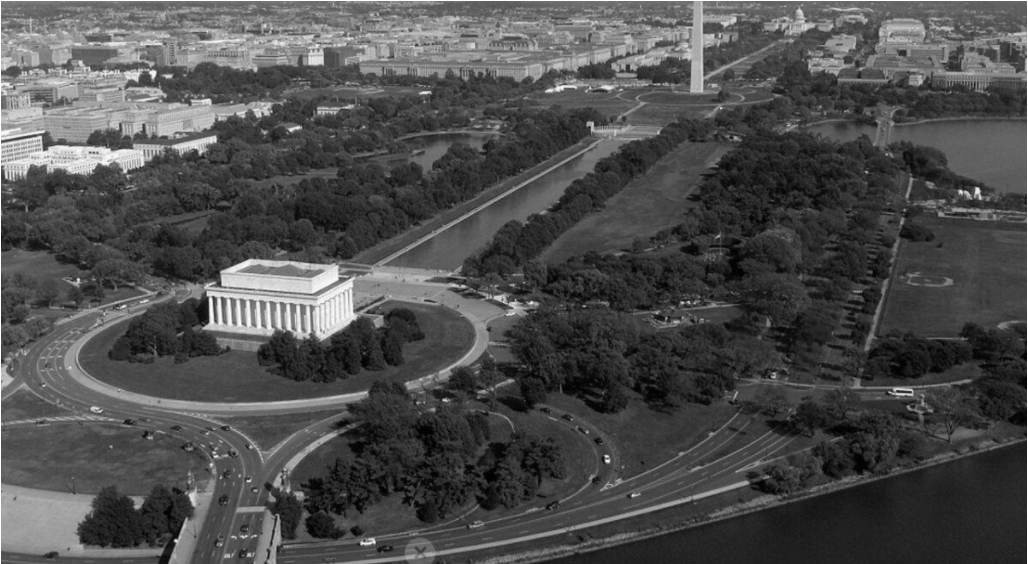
(258, 297)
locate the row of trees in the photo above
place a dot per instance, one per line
(166, 329)
(433, 459)
(359, 346)
(115, 522)
(516, 243)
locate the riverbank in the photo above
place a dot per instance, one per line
(676, 520)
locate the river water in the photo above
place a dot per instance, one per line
(448, 249)
(964, 512)
(992, 151)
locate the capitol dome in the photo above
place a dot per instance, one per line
(798, 16)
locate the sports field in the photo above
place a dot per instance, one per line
(974, 271)
(649, 203)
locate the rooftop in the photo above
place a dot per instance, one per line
(290, 270)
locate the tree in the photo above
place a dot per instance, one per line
(321, 525)
(953, 408)
(75, 296)
(533, 391)
(782, 478)
(772, 400)
(46, 292)
(112, 522)
(463, 379)
(614, 398)
(810, 416)
(777, 296)
(289, 511)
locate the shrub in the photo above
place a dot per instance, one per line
(916, 233)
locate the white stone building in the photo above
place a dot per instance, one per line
(258, 297)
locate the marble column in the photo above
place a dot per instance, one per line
(246, 313)
(236, 313)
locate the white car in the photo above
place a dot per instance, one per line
(606, 459)
(96, 409)
(367, 542)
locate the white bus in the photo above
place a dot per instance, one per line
(901, 393)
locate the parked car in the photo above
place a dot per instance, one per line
(129, 422)
(545, 409)
(176, 427)
(552, 505)
(606, 459)
(220, 541)
(567, 417)
(244, 528)
(582, 430)
(598, 440)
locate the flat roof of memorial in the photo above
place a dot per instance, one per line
(290, 270)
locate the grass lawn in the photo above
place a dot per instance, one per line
(608, 104)
(267, 431)
(646, 437)
(977, 275)
(961, 372)
(38, 265)
(95, 455)
(26, 405)
(236, 376)
(652, 202)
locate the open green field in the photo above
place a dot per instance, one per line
(24, 405)
(236, 376)
(610, 104)
(95, 455)
(38, 265)
(654, 201)
(978, 274)
(646, 437)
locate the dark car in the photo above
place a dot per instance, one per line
(545, 409)
(567, 417)
(598, 440)
(129, 422)
(242, 553)
(552, 505)
(223, 500)
(385, 548)
(244, 528)
(176, 427)
(51, 555)
(226, 428)
(226, 474)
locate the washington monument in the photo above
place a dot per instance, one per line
(696, 81)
